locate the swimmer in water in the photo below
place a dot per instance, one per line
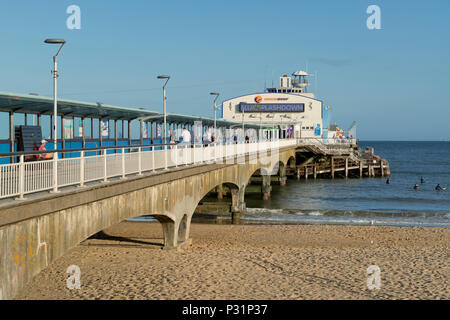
(388, 181)
(439, 188)
(422, 180)
(416, 187)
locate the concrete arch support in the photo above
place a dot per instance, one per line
(170, 231)
(237, 204)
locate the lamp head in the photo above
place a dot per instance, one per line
(55, 41)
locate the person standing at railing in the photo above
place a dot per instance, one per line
(186, 136)
(44, 156)
(173, 139)
(206, 138)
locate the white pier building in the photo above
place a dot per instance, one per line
(290, 108)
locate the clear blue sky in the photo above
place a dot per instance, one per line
(393, 82)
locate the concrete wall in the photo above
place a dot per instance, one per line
(35, 232)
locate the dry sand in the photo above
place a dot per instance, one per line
(254, 262)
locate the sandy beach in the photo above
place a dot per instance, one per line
(254, 262)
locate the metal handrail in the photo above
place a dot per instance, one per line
(25, 153)
(35, 152)
(21, 178)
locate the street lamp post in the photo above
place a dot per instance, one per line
(55, 87)
(260, 124)
(165, 124)
(215, 111)
(243, 131)
(62, 42)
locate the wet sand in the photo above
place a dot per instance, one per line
(254, 262)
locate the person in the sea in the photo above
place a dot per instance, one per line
(439, 188)
(416, 187)
(388, 181)
(422, 180)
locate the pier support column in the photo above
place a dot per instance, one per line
(170, 231)
(176, 233)
(219, 190)
(381, 168)
(183, 231)
(306, 172)
(298, 173)
(346, 167)
(315, 171)
(332, 167)
(360, 169)
(282, 176)
(237, 204)
(266, 187)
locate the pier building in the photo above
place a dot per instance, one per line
(289, 108)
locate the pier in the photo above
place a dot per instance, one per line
(98, 191)
(92, 182)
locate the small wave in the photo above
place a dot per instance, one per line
(264, 211)
(345, 221)
(384, 199)
(311, 213)
(344, 213)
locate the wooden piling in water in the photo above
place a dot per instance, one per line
(332, 167)
(346, 167)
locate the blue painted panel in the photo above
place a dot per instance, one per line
(4, 148)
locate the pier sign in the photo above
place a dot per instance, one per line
(271, 107)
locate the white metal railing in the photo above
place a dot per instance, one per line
(76, 167)
(327, 141)
(328, 146)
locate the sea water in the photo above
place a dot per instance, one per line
(367, 201)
